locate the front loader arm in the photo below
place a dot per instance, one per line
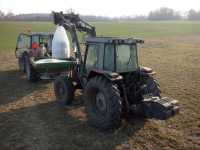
(74, 19)
(72, 23)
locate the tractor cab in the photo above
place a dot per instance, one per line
(36, 44)
(112, 54)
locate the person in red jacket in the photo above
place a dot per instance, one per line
(34, 45)
(34, 50)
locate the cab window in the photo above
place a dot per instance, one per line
(35, 38)
(35, 42)
(46, 41)
(126, 58)
(94, 57)
(109, 57)
(23, 42)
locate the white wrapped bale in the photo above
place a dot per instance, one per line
(60, 44)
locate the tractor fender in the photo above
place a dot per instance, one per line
(147, 70)
(111, 76)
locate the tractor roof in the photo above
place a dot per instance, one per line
(113, 40)
(41, 33)
(38, 33)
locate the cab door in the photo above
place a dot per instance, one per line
(94, 57)
(93, 60)
(23, 44)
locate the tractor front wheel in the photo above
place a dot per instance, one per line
(103, 103)
(64, 89)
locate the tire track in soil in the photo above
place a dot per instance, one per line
(24, 128)
(21, 126)
(36, 138)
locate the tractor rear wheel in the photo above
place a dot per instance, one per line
(64, 89)
(103, 103)
(31, 74)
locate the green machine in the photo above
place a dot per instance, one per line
(114, 85)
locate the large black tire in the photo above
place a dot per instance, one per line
(31, 74)
(64, 90)
(152, 87)
(21, 63)
(103, 103)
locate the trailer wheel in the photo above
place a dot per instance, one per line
(64, 89)
(31, 74)
(103, 103)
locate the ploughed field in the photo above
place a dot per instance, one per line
(30, 118)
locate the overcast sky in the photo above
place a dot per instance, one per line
(97, 7)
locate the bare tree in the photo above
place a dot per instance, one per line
(1, 15)
(9, 16)
(164, 13)
(193, 15)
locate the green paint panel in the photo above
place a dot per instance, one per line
(53, 65)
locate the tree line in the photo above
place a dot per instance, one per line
(160, 14)
(165, 13)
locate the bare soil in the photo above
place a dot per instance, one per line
(30, 118)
